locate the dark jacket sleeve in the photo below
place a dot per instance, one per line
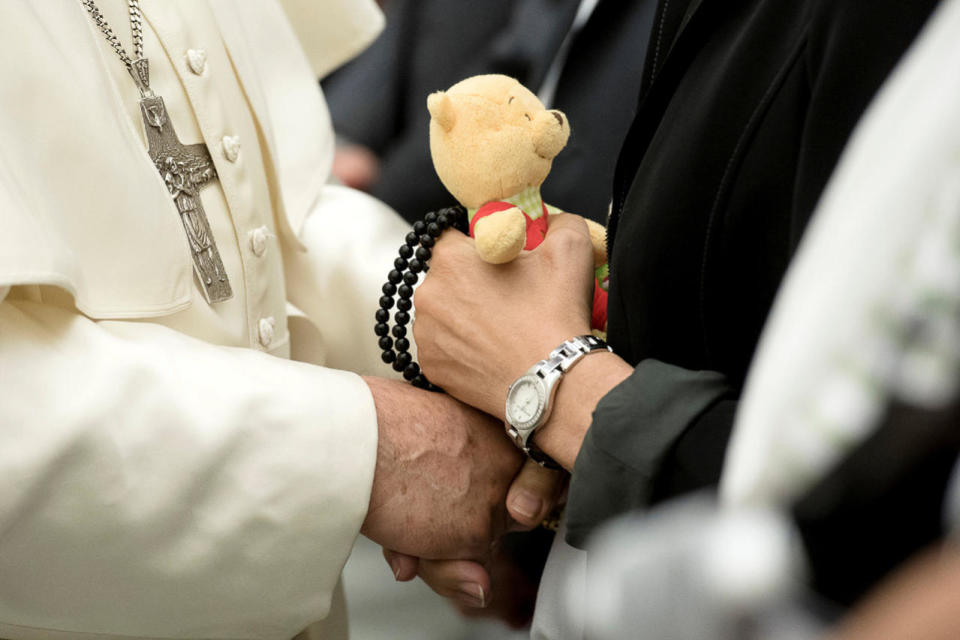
(638, 429)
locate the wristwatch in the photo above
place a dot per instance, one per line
(530, 397)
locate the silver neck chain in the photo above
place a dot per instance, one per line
(136, 28)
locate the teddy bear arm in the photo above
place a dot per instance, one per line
(500, 236)
(598, 237)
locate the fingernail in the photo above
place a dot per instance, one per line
(395, 565)
(526, 504)
(472, 594)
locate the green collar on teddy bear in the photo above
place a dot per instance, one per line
(528, 201)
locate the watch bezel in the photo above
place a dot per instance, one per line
(525, 427)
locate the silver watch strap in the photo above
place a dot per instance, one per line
(560, 360)
(569, 353)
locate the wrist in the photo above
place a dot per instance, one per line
(534, 349)
(442, 474)
(549, 392)
(577, 396)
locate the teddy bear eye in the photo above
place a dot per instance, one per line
(510, 101)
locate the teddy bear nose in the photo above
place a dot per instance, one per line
(558, 116)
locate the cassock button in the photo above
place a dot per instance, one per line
(197, 61)
(231, 147)
(258, 240)
(266, 328)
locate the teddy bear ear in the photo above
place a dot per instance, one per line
(441, 109)
(550, 133)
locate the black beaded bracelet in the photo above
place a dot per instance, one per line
(414, 258)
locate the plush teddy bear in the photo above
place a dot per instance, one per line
(493, 143)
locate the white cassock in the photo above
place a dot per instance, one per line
(167, 471)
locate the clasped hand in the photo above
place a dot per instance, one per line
(478, 327)
(441, 488)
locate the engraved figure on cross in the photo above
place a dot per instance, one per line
(183, 185)
(185, 169)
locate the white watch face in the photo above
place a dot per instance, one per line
(525, 402)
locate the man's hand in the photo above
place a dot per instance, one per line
(514, 573)
(442, 475)
(532, 496)
(480, 326)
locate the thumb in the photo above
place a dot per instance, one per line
(533, 494)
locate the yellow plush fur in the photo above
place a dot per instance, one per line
(491, 138)
(500, 237)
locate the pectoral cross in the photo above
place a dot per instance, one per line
(185, 169)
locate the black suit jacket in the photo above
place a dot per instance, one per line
(746, 106)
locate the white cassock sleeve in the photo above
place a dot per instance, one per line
(348, 268)
(155, 485)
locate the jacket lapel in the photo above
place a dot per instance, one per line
(671, 47)
(672, 19)
(692, 9)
